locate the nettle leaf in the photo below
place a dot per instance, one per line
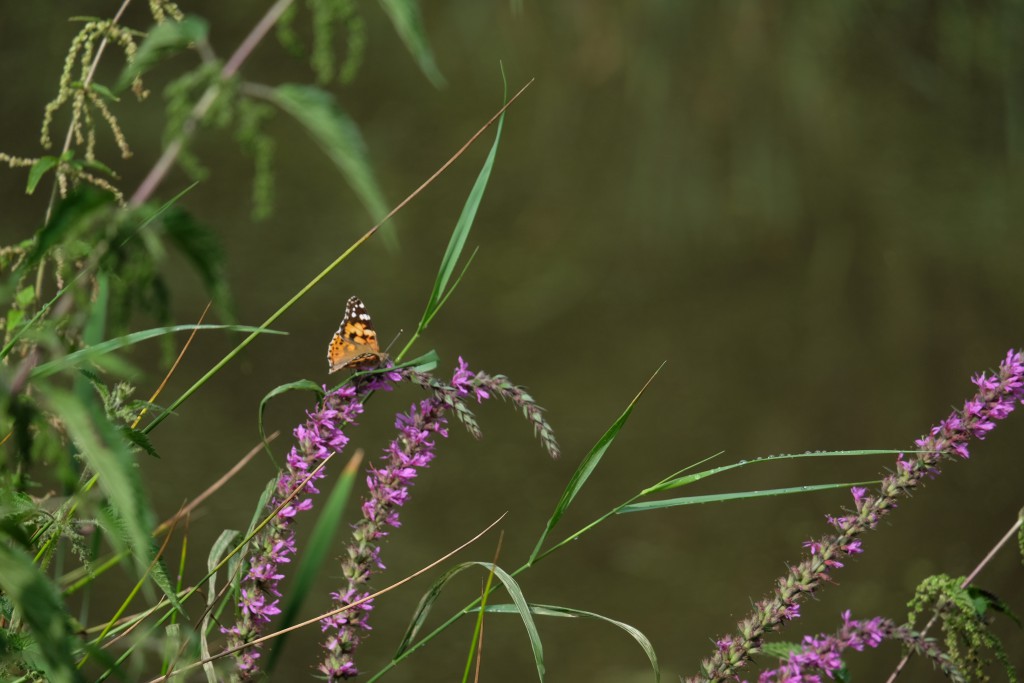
(203, 249)
(105, 92)
(338, 136)
(408, 23)
(40, 608)
(84, 206)
(38, 170)
(162, 41)
(140, 440)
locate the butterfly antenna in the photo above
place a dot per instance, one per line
(394, 340)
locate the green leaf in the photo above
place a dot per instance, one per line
(221, 546)
(554, 611)
(14, 318)
(97, 165)
(676, 481)
(780, 649)
(140, 440)
(521, 607)
(315, 551)
(83, 204)
(104, 91)
(25, 297)
(985, 600)
(201, 247)
(338, 136)
(722, 497)
(96, 321)
(408, 23)
(106, 453)
(587, 467)
(39, 606)
(300, 385)
(91, 353)
(162, 41)
(37, 171)
(457, 241)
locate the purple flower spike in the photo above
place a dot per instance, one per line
(996, 398)
(389, 482)
(388, 485)
(821, 656)
(316, 439)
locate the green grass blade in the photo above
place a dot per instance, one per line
(432, 594)
(567, 612)
(315, 551)
(587, 467)
(676, 482)
(457, 242)
(479, 625)
(300, 385)
(39, 606)
(408, 22)
(91, 353)
(222, 545)
(339, 137)
(252, 335)
(722, 497)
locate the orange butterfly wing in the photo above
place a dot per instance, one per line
(355, 344)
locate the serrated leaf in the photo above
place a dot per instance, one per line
(70, 212)
(338, 136)
(102, 447)
(40, 607)
(203, 249)
(140, 440)
(37, 171)
(407, 20)
(162, 41)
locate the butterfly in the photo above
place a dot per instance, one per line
(355, 345)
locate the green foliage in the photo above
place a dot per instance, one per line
(72, 296)
(407, 20)
(963, 612)
(327, 17)
(162, 42)
(30, 599)
(338, 136)
(181, 95)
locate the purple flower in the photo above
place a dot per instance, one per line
(388, 484)
(821, 656)
(274, 545)
(996, 398)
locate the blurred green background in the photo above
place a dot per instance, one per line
(810, 210)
